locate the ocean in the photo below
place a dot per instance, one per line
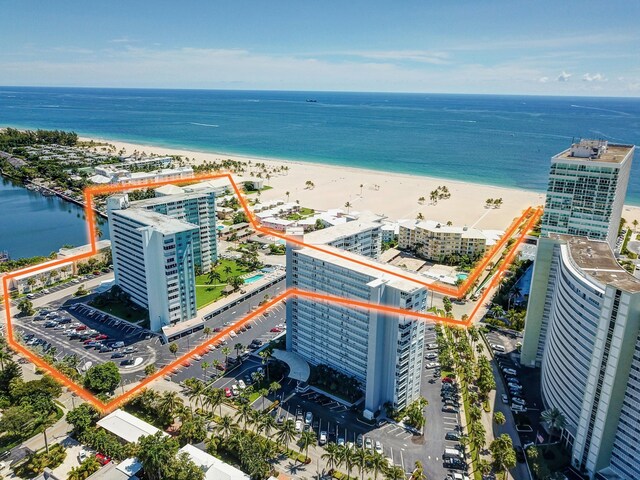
(496, 140)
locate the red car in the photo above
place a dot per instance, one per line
(80, 328)
(217, 329)
(186, 363)
(447, 380)
(102, 336)
(102, 459)
(227, 392)
(276, 330)
(221, 367)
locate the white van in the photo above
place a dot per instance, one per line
(451, 453)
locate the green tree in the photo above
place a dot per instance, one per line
(173, 348)
(226, 427)
(554, 419)
(102, 378)
(156, 453)
(83, 417)
(499, 418)
(504, 457)
(26, 307)
(286, 433)
(307, 438)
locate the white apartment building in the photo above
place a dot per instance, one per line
(198, 208)
(122, 175)
(583, 330)
(361, 236)
(435, 241)
(383, 351)
(587, 188)
(153, 261)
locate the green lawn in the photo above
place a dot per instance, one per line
(124, 311)
(206, 292)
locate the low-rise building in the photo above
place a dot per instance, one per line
(436, 241)
(29, 282)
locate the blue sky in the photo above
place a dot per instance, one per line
(557, 47)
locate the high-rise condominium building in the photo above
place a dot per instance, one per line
(583, 330)
(383, 351)
(153, 259)
(198, 208)
(587, 188)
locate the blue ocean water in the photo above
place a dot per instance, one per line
(498, 140)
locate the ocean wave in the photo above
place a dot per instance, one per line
(601, 109)
(204, 124)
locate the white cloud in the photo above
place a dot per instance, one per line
(543, 79)
(587, 77)
(421, 56)
(564, 76)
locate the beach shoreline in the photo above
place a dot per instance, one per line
(393, 195)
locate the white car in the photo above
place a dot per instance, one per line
(509, 371)
(432, 365)
(431, 356)
(323, 438)
(518, 408)
(308, 418)
(519, 401)
(505, 399)
(235, 390)
(498, 348)
(241, 384)
(298, 425)
(432, 346)
(378, 447)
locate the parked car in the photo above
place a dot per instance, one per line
(519, 401)
(235, 390)
(449, 409)
(299, 426)
(241, 385)
(359, 440)
(227, 392)
(447, 380)
(378, 447)
(452, 436)
(431, 365)
(509, 371)
(308, 418)
(368, 443)
(322, 439)
(505, 399)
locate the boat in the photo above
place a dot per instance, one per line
(310, 100)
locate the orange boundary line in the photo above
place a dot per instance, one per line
(527, 219)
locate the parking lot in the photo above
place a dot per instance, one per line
(262, 329)
(73, 328)
(340, 424)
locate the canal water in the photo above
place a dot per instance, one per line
(32, 224)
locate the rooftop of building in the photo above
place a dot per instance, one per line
(434, 226)
(595, 151)
(214, 468)
(364, 222)
(126, 426)
(368, 266)
(159, 222)
(596, 259)
(172, 198)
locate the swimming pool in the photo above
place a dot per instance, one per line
(253, 278)
(462, 276)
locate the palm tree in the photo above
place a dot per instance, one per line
(226, 351)
(287, 194)
(213, 276)
(238, 347)
(421, 200)
(169, 404)
(307, 438)
(378, 464)
(420, 216)
(347, 456)
(395, 473)
(418, 472)
(361, 457)
(195, 391)
(266, 356)
(331, 456)
(213, 397)
(204, 365)
(347, 206)
(286, 433)
(226, 427)
(554, 419)
(243, 415)
(267, 424)
(4, 356)
(215, 363)
(361, 186)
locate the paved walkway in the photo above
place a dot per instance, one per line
(299, 368)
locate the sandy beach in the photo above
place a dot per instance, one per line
(393, 195)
